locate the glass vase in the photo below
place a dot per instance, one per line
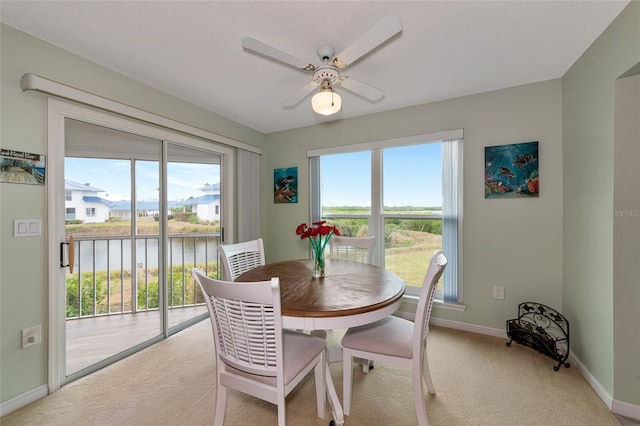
(318, 266)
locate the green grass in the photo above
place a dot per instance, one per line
(145, 227)
(387, 209)
(408, 253)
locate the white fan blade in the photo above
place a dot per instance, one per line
(265, 49)
(363, 89)
(297, 97)
(382, 31)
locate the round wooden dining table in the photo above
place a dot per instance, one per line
(350, 294)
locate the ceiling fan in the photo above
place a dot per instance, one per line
(327, 75)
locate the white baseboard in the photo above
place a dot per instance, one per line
(473, 328)
(597, 387)
(464, 326)
(626, 409)
(22, 400)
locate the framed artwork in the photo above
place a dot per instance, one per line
(285, 184)
(511, 171)
(22, 167)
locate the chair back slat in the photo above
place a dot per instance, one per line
(247, 333)
(425, 303)
(242, 262)
(351, 248)
(241, 257)
(246, 322)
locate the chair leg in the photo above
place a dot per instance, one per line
(321, 386)
(347, 380)
(334, 402)
(367, 365)
(221, 400)
(418, 399)
(426, 374)
(282, 410)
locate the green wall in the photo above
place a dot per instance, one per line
(588, 175)
(23, 261)
(515, 243)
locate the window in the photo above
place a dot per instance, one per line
(90, 212)
(70, 213)
(67, 196)
(403, 192)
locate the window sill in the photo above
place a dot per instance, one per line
(436, 303)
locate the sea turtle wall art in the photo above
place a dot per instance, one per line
(285, 185)
(511, 171)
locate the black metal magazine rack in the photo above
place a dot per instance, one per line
(543, 329)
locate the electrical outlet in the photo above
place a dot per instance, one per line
(498, 292)
(31, 336)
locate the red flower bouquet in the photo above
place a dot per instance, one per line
(319, 235)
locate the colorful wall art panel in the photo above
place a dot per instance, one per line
(285, 183)
(511, 171)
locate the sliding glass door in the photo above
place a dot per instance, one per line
(140, 213)
(193, 228)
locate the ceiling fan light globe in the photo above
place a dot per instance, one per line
(326, 102)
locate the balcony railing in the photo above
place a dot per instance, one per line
(105, 282)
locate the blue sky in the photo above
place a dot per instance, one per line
(114, 177)
(412, 177)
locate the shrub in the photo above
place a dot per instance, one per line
(86, 295)
(180, 292)
(185, 217)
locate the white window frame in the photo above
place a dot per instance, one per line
(451, 175)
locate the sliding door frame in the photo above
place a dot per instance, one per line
(58, 111)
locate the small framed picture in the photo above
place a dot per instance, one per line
(22, 167)
(285, 184)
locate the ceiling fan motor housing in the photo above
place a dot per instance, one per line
(326, 72)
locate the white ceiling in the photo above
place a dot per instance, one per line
(193, 50)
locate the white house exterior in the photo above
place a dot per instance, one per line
(206, 206)
(81, 202)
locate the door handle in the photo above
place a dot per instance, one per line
(70, 254)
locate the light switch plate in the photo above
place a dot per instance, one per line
(27, 227)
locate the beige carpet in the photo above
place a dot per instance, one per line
(479, 381)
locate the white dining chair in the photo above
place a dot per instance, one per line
(354, 249)
(241, 257)
(397, 341)
(254, 355)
